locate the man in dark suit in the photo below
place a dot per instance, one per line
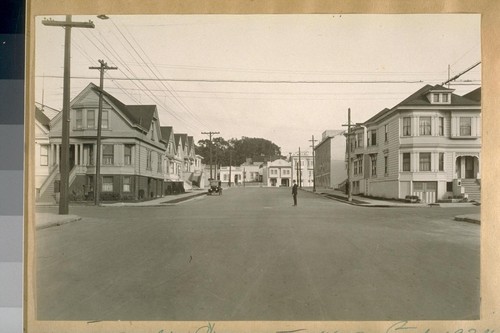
(294, 193)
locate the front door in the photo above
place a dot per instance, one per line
(469, 167)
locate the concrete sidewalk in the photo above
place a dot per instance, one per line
(163, 201)
(369, 202)
(47, 220)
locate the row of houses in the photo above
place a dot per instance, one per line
(428, 145)
(276, 173)
(140, 159)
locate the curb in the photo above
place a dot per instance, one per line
(467, 219)
(179, 200)
(56, 224)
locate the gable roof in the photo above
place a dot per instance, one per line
(177, 138)
(474, 95)
(139, 115)
(42, 118)
(166, 132)
(182, 138)
(190, 143)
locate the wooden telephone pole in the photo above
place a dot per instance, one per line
(97, 181)
(210, 148)
(349, 187)
(64, 164)
(314, 169)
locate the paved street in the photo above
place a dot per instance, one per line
(250, 255)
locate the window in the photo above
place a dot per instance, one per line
(127, 155)
(355, 167)
(104, 119)
(386, 166)
(425, 125)
(153, 131)
(360, 139)
(386, 134)
(406, 161)
(79, 119)
(441, 126)
(406, 126)
(44, 155)
(107, 154)
(90, 118)
(441, 161)
(445, 98)
(160, 163)
(225, 177)
(449, 186)
(107, 184)
(465, 126)
(360, 166)
(373, 135)
(435, 98)
(374, 164)
(126, 183)
(148, 160)
(425, 162)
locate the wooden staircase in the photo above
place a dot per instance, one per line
(472, 189)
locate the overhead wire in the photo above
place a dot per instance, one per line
(131, 76)
(142, 59)
(169, 89)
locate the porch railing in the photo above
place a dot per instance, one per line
(53, 171)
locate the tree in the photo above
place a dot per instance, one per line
(258, 149)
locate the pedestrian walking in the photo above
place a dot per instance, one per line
(294, 193)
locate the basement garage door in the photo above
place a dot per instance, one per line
(426, 191)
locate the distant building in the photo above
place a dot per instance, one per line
(251, 171)
(329, 156)
(277, 173)
(302, 168)
(231, 175)
(428, 145)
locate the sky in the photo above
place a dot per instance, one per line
(284, 78)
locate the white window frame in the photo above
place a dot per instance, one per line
(91, 125)
(428, 162)
(126, 185)
(105, 157)
(44, 155)
(78, 119)
(107, 186)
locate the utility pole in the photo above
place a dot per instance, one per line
(64, 164)
(300, 171)
(230, 163)
(461, 73)
(314, 169)
(210, 148)
(349, 191)
(97, 181)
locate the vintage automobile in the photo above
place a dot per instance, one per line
(215, 187)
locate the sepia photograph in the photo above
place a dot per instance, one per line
(291, 167)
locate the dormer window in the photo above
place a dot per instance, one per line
(439, 96)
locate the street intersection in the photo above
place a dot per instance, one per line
(250, 255)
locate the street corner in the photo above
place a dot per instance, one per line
(470, 218)
(47, 220)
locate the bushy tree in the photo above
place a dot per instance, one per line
(238, 150)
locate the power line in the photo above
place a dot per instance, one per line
(254, 81)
